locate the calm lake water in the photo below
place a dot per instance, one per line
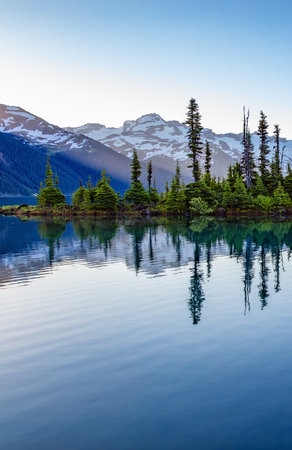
(145, 335)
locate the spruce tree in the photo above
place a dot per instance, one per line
(166, 187)
(149, 175)
(87, 200)
(105, 198)
(49, 180)
(247, 154)
(288, 181)
(208, 163)
(50, 195)
(136, 194)
(281, 199)
(277, 164)
(136, 167)
(78, 196)
(259, 187)
(228, 197)
(195, 129)
(241, 197)
(264, 147)
(176, 199)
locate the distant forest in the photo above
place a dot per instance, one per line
(22, 166)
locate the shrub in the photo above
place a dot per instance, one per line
(198, 206)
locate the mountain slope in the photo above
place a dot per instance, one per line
(165, 142)
(22, 167)
(26, 139)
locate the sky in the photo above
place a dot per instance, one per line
(107, 61)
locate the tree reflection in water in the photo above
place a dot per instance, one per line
(161, 243)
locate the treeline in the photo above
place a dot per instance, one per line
(250, 185)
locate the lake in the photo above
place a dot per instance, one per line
(156, 334)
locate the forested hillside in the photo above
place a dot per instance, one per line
(22, 168)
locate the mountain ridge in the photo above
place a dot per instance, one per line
(162, 141)
(74, 156)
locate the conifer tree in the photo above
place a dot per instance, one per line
(247, 154)
(105, 198)
(136, 194)
(166, 188)
(280, 198)
(50, 195)
(228, 198)
(241, 197)
(78, 196)
(208, 163)
(288, 181)
(149, 175)
(136, 167)
(264, 147)
(87, 200)
(259, 187)
(49, 181)
(195, 129)
(176, 199)
(277, 166)
(89, 183)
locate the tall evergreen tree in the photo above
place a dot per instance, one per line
(277, 165)
(136, 167)
(136, 194)
(208, 163)
(195, 128)
(149, 175)
(264, 147)
(247, 154)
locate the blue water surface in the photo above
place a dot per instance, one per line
(152, 334)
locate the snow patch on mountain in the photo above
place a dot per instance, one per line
(160, 140)
(17, 121)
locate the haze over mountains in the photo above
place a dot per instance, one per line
(25, 139)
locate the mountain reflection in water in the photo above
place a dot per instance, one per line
(30, 248)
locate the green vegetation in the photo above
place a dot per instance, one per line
(50, 195)
(249, 188)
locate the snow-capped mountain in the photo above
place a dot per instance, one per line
(75, 154)
(166, 141)
(79, 152)
(37, 131)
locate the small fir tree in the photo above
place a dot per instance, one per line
(176, 199)
(136, 194)
(78, 196)
(50, 195)
(87, 200)
(280, 198)
(105, 198)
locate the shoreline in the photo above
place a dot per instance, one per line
(26, 211)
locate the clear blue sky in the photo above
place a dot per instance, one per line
(79, 61)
